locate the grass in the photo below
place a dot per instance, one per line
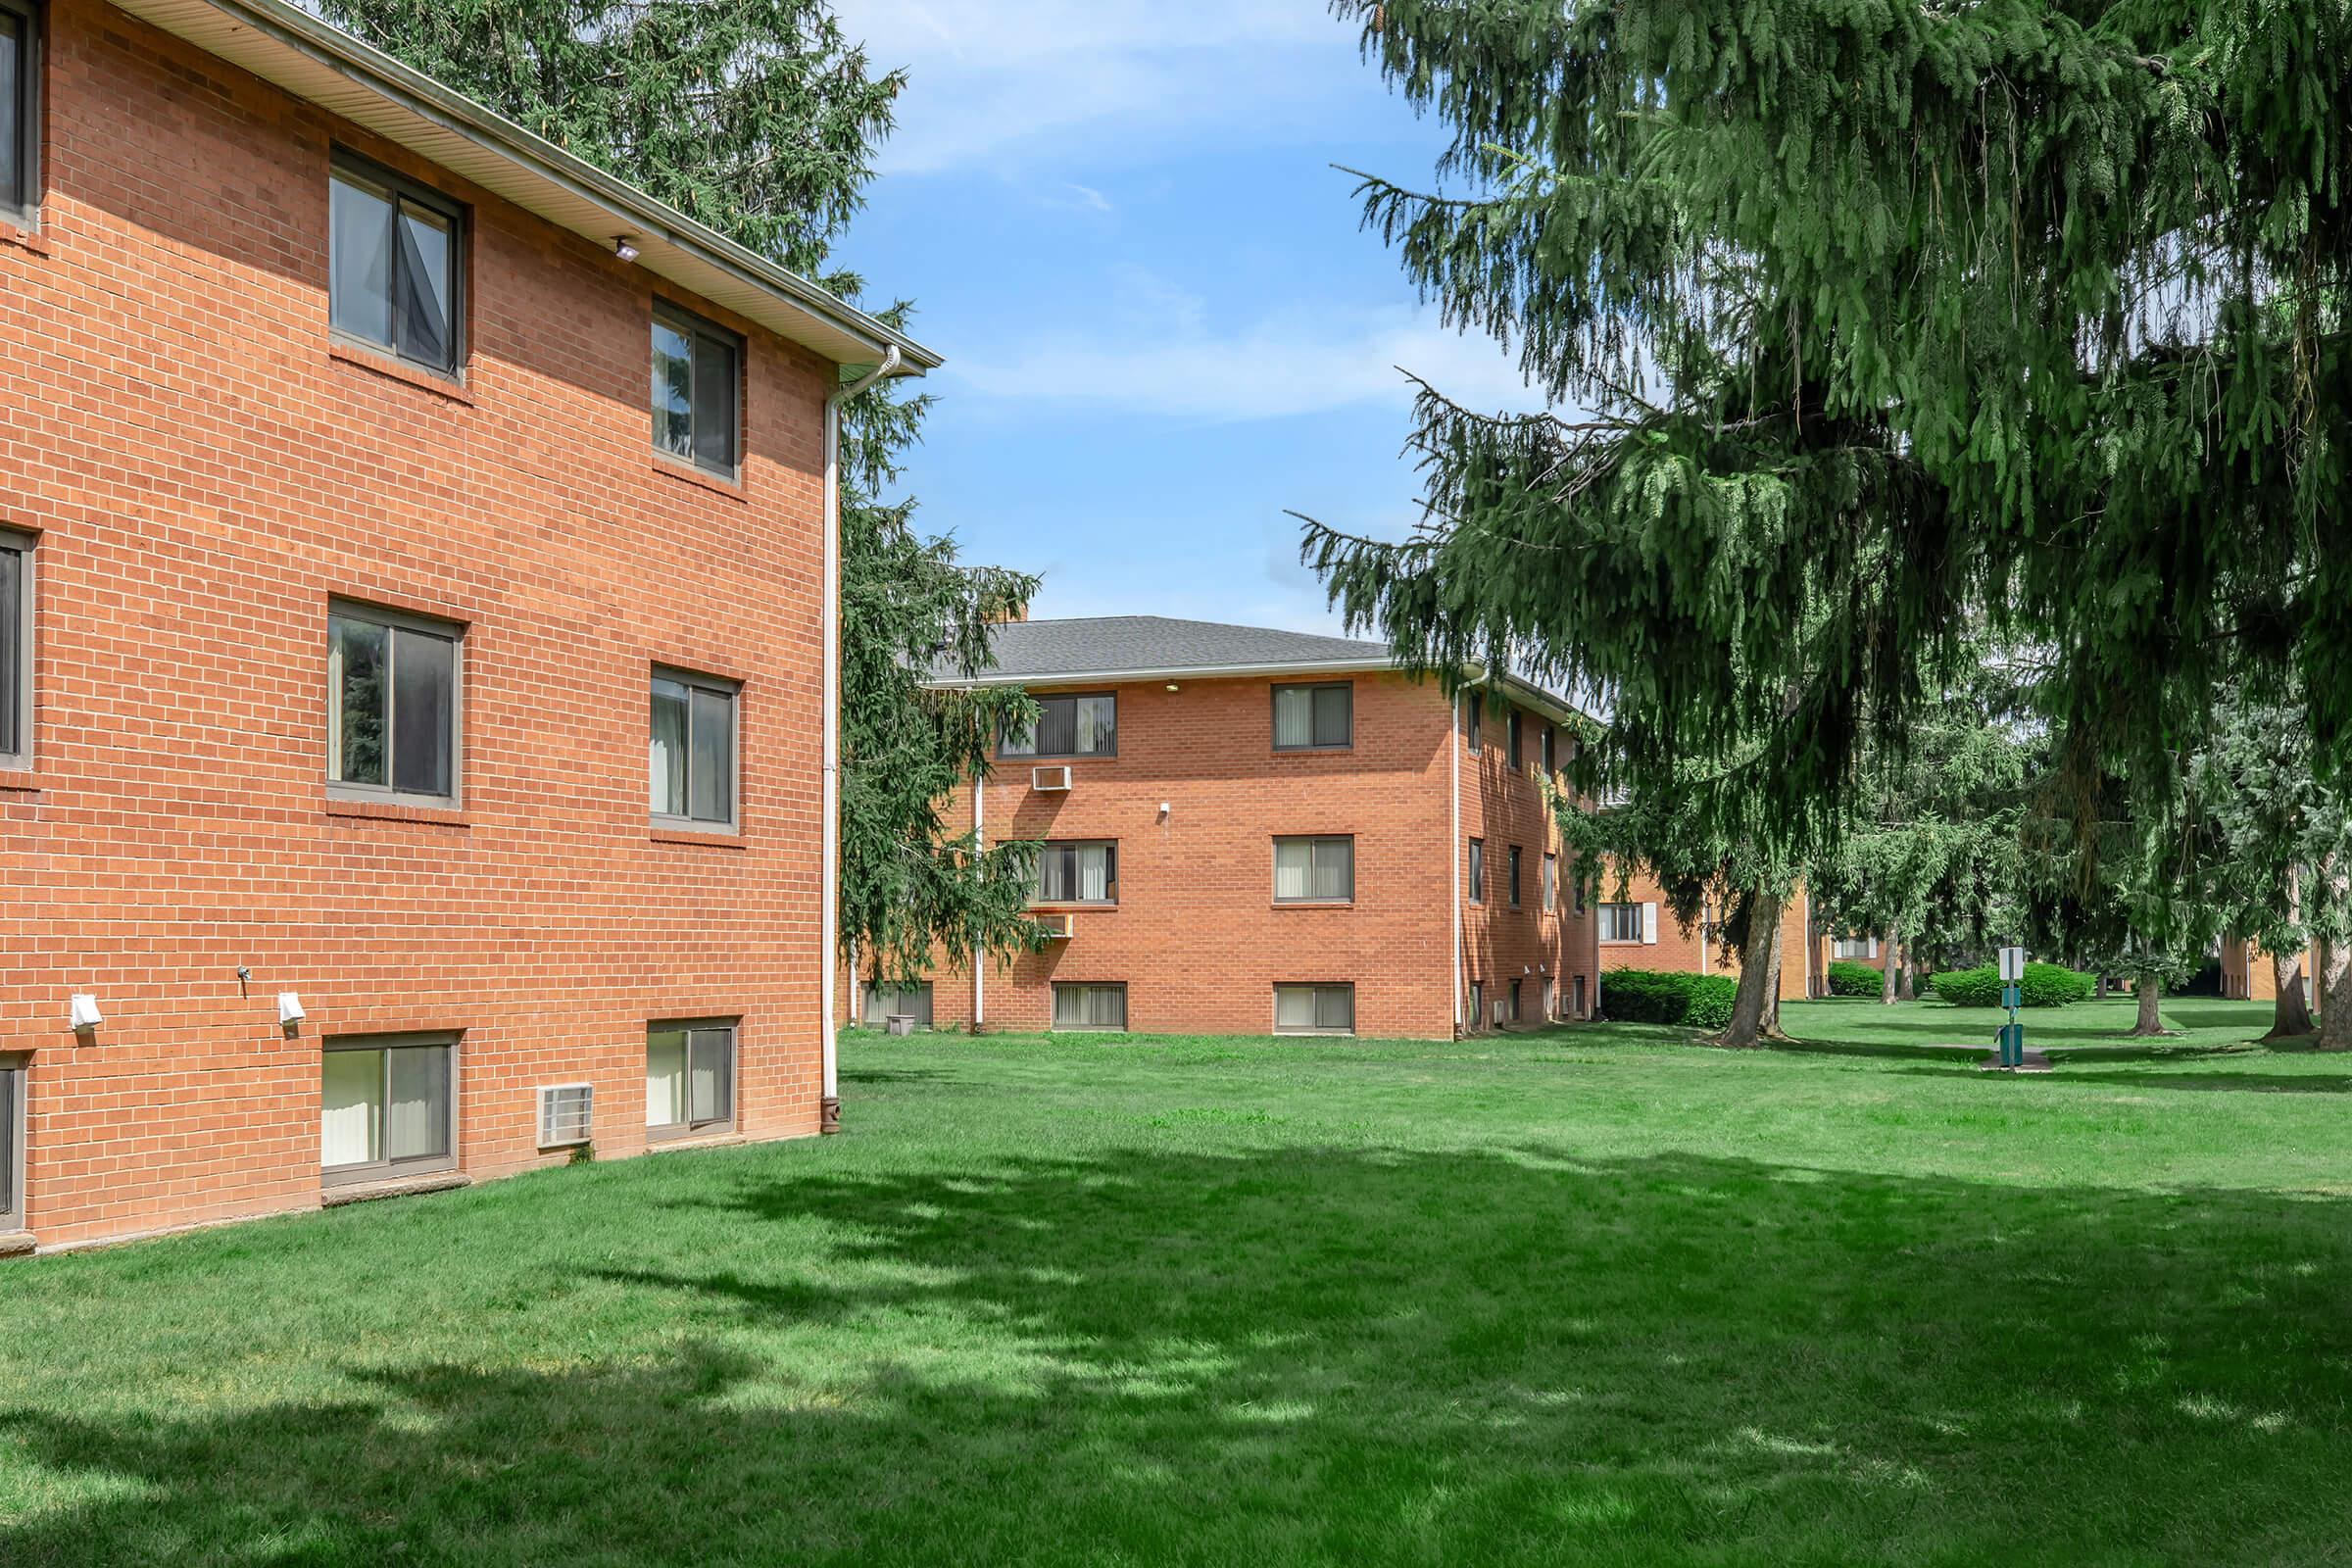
(1582, 1297)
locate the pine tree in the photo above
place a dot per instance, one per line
(1868, 328)
(760, 119)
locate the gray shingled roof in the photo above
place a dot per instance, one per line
(1111, 645)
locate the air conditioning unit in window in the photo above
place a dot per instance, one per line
(1057, 926)
(566, 1115)
(1049, 780)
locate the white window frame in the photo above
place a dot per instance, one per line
(395, 620)
(1612, 916)
(717, 686)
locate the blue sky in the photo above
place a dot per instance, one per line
(1162, 326)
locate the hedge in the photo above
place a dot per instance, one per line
(1850, 979)
(2047, 985)
(1652, 996)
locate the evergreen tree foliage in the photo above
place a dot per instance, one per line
(760, 119)
(1867, 328)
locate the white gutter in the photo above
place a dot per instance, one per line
(979, 844)
(1453, 857)
(829, 884)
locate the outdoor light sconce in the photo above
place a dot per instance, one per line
(626, 247)
(84, 1013)
(289, 1010)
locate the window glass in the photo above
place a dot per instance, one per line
(11, 109)
(1089, 1006)
(697, 390)
(14, 612)
(1314, 1010)
(1314, 869)
(424, 296)
(1066, 727)
(1478, 871)
(391, 706)
(1078, 873)
(392, 267)
(673, 390)
(690, 750)
(1551, 880)
(1513, 728)
(689, 1077)
(1621, 922)
(417, 1117)
(1306, 718)
(358, 268)
(12, 1152)
(1513, 866)
(387, 1106)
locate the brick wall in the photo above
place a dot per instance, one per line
(1692, 951)
(202, 471)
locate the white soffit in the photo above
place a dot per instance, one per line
(326, 66)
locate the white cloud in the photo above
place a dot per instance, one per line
(1290, 363)
(993, 79)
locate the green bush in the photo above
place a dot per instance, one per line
(2045, 985)
(1850, 979)
(1653, 995)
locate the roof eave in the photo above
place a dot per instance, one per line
(290, 48)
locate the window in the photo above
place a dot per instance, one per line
(1621, 922)
(19, 108)
(689, 1078)
(1314, 1010)
(1552, 751)
(387, 1107)
(1855, 947)
(16, 648)
(698, 390)
(392, 706)
(12, 1144)
(909, 998)
(1515, 1015)
(1470, 713)
(1068, 726)
(1513, 742)
(1513, 867)
(1575, 994)
(1313, 719)
(1072, 872)
(1315, 870)
(1551, 883)
(392, 269)
(1478, 1005)
(690, 758)
(1089, 1006)
(1478, 870)
(1551, 1001)
(1576, 895)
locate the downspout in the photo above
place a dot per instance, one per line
(829, 886)
(1453, 857)
(979, 844)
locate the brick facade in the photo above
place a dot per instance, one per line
(201, 470)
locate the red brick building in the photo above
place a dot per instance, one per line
(1252, 832)
(379, 480)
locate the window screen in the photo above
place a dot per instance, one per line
(386, 1108)
(689, 1078)
(689, 753)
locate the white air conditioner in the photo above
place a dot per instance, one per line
(566, 1115)
(1049, 779)
(1057, 926)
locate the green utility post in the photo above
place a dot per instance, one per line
(2013, 996)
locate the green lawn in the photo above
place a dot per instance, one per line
(1583, 1296)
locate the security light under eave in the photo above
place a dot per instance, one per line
(83, 1011)
(626, 247)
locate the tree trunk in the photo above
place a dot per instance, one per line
(2291, 1014)
(1908, 989)
(1772, 997)
(1887, 945)
(2100, 989)
(2150, 992)
(1756, 1006)
(2336, 997)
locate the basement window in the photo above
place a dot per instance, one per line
(689, 1078)
(15, 649)
(12, 1144)
(387, 1107)
(1316, 1009)
(1092, 1008)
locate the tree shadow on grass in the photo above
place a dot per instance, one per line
(1308, 1354)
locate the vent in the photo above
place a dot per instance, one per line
(1049, 780)
(566, 1113)
(1057, 926)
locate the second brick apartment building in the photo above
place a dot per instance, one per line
(412, 626)
(1250, 831)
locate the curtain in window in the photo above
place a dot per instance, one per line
(1096, 721)
(1293, 716)
(1335, 1007)
(11, 84)
(1089, 1006)
(666, 753)
(9, 1080)
(1094, 873)
(350, 1090)
(1332, 704)
(11, 643)
(417, 1114)
(1293, 868)
(664, 1077)
(1334, 868)
(1294, 1007)
(711, 778)
(710, 1090)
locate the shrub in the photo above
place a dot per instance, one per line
(2045, 985)
(1850, 979)
(1652, 996)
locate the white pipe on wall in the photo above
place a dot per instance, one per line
(829, 885)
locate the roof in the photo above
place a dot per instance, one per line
(327, 67)
(1124, 647)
